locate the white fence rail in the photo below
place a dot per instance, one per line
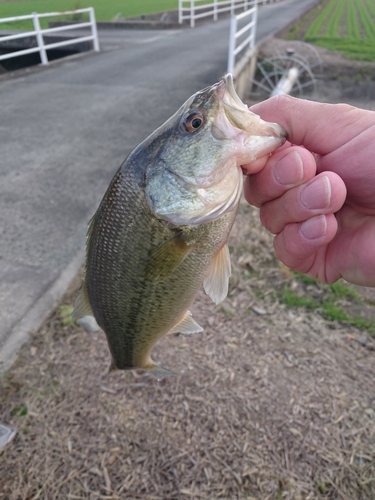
(42, 47)
(241, 38)
(188, 9)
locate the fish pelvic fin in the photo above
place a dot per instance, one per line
(82, 305)
(187, 325)
(216, 281)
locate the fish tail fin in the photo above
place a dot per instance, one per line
(153, 368)
(112, 368)
(159, 371)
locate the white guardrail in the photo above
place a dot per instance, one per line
(188, 9)
(244, 37)
(38, 33)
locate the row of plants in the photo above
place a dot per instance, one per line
(344, 25)
(333, 24)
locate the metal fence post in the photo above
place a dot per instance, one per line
(253, 30)
(39, 39)
(180, 11)
(215, 10)
(231, 7)
(192, 18)
(94, 30)
(232, 43)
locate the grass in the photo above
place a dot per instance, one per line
(104, 10)
(65, 313)
(347, 26)
(293, 300)
(331, 301)
(20, 410)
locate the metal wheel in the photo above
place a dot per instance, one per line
(271, 70)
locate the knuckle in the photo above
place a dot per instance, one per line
(268, 219)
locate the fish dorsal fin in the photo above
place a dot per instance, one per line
(90, 228)
(216, 281)
(82, 305)
(167, 257)
(187, 325)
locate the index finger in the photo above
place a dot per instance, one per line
(320, 127)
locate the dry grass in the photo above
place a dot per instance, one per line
(269, 403)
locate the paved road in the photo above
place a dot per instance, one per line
(65, 130)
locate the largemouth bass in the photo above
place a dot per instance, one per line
(162, 228)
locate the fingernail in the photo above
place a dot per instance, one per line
(317, 194)
(313, 228)
(289, 169)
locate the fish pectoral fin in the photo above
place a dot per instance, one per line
(216, 281)
(187, 325)
(82, 305)
(167, 257)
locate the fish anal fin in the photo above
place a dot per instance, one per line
(167, 257)
(82, 305)
(216, 281)
(187, 325)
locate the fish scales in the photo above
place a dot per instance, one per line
(140, 306)
(162, 228)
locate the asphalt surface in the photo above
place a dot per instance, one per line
(64, 132)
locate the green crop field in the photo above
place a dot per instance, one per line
(344, 25)
(105, 10)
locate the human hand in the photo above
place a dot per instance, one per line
(317, 192)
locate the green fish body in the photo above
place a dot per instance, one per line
(162, 228)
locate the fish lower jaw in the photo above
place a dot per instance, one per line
(256, 146)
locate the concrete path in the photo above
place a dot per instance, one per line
(64, 132)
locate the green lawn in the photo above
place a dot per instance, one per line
(105, 10)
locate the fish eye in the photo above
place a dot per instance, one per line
(193, 122)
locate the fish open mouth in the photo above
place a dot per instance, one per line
(236, 121)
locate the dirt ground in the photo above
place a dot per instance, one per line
(270, 402)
